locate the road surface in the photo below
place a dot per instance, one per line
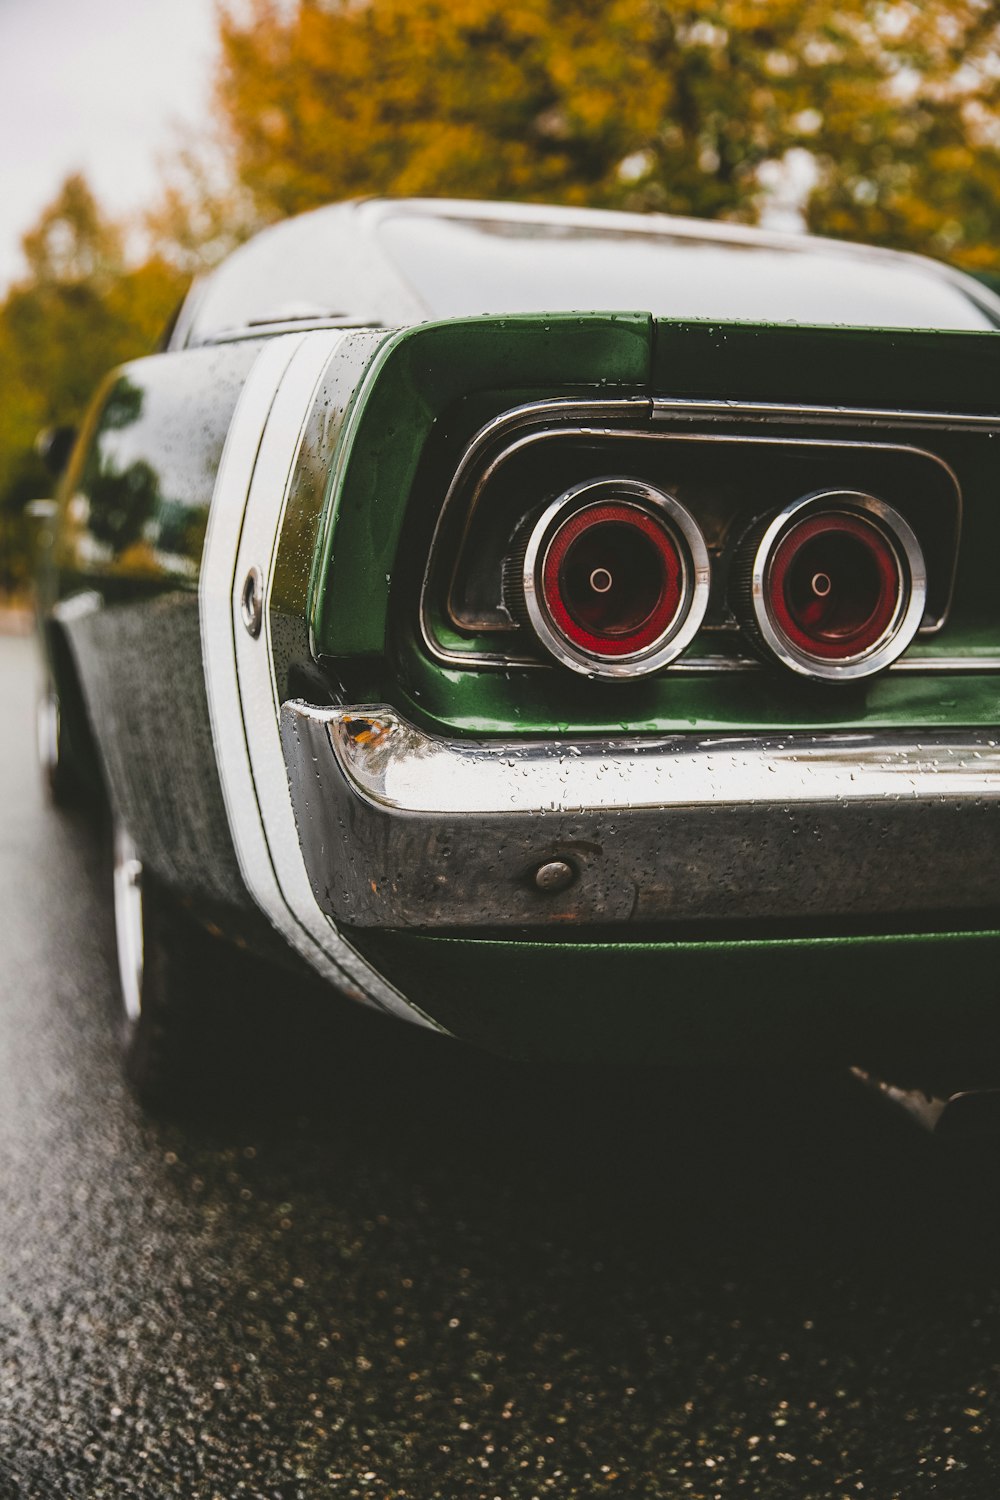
(374, 1264)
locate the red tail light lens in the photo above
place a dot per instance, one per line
(615, 578)
(834, 585)
(612, 579)
(837, 586)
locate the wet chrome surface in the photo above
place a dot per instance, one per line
(395, 764)
(399, 828)
(367, 1262)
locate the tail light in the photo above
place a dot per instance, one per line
(615, 578)
(835, 586)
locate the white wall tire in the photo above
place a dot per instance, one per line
(168, 973)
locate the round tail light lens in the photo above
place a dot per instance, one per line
(836, 586)
(615, 578)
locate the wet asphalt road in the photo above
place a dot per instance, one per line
(378, 1265)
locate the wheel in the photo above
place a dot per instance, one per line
(62, 785)
(167, 966)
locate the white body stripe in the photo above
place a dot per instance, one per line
(248, 504)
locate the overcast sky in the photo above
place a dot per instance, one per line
(98, 86)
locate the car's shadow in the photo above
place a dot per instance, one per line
(792, 1164)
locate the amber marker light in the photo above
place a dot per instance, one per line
(615, 578)
(835, 587)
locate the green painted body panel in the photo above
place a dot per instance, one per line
(905, 370)
(824, 999)
(529, 703)
(413, 380)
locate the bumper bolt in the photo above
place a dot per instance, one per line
(554, 876)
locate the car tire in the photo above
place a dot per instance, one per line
(166, 967)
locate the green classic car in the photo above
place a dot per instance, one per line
(610, 684)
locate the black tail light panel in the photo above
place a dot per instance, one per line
(733, 476)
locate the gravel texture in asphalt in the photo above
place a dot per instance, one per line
(369, 1262)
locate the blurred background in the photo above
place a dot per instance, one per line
(143, 141)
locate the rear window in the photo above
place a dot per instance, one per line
(463, 266)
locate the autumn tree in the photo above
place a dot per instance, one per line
(627, 103)
(910, 156)
(80, 309)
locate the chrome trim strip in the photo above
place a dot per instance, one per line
(393, 763)
(693, 406)
(710, 666)
(948, 664)
(716, 666)
(770, 411)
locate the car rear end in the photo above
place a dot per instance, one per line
(648, 702)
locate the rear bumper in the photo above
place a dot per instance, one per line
(400, 829)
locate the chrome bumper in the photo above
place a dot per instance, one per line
(403, 829)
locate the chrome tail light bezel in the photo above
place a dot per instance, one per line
(685, 536)
(761, 620)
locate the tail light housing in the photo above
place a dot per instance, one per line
(834, 587)
(615, 578)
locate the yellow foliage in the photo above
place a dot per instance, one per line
(638, 103)
(80, 310)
